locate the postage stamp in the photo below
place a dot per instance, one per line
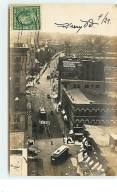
(26, 17)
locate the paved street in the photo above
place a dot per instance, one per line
(64, 167)
(56, 129)
(40, 99)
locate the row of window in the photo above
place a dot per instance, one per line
(96, 121)
(86, 86)
(16, 89)
(17, 67)
(17, 79)
(16, 118)
(96, 110)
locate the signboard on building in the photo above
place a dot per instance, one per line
(44, 122)
(68, 64)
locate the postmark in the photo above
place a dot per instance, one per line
(26, 18)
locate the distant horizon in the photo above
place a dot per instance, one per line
(28, 33)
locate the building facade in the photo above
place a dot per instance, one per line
(88, 108)
(82, 91)
(17, 88)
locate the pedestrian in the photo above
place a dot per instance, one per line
(64, 140)
(49, 134)
(34, 140)
(51, 142)
(67, 141)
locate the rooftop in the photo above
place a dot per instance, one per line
(18, 162)
(114, 136)
(16, 140)
(78, 97)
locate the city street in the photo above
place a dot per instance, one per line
(40, 99)
(45, 144)
(64, 167)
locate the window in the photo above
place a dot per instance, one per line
(17, 118)
(87, 112)
(17, 59)
(116, 112)
(17, 68)
(78, 86)
(86, 86)
(74, 85)
(17, 79)
(97, 86)
(16, 106)
(16, 89)
(97, 113)
(17, 126)
(91, 85)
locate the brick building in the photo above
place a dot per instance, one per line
(87, 75)
(17, 87)
(83, 69)
(88, 108)
(82, 91)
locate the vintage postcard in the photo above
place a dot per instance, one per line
(62, 90)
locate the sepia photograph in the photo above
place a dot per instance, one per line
(62, 90)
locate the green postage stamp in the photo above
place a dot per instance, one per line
(26, 17)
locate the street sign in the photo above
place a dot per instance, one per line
(44, 122)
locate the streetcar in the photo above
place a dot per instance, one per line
(60, 153)
(42, 114)
(42, 119)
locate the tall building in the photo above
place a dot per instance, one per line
(17, 88)
(82, 91)
(86, 74)
(84, 69)
(88, 108)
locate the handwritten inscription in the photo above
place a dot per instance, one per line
(85, 23)
(104, 18)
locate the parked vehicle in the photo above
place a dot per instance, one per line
(70, 140)
(32, 152)
(48, 76)
(48, 96)
(28, 92)
(60, 106)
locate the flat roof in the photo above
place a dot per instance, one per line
(16, 140)
(88, 81)
(78, 97)
(18, 163)
(114, 136)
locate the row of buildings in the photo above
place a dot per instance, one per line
(17, 110)
(83, 91)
